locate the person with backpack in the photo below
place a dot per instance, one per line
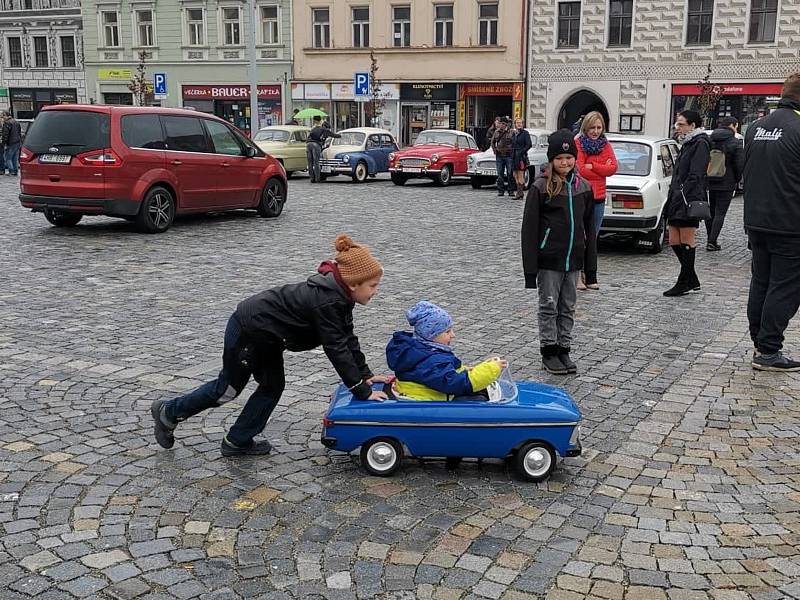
(725, 167)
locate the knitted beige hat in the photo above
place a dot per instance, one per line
(355, 263)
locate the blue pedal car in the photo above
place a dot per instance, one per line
(531, 423)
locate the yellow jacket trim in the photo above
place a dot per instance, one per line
(481, 376)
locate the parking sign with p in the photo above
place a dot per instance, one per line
(160, 84)
(361, 81)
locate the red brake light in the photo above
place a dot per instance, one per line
(100, 158)
(26, 156)
(326, 422)
(627, 201)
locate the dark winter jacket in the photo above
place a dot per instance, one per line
(520, 144)
(501, 142)
(302, 316)
(772, 171)
(320, 133)
(11, 133)
(490, 135)
(432, 372)
(557, 232)
(689, 177)
(724, 139)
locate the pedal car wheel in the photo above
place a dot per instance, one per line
(535, 461)
(381, 456)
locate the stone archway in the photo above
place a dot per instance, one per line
(578, 104)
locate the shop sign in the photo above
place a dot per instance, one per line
(389, 91)
(730, 89)
(65, 96)
(298, 91)
(317, 91)
(342, 91)
(487, 89)
(114, 74)
(229, 92)
(428, 91)
(3, 92)
(22, 95)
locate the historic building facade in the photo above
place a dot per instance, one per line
(41, 54)
(200, 47)
(640, 61)
(441, 64)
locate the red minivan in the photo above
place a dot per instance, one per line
(143, 164)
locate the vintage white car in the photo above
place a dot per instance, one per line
(361, 152)
(637, 193)
(482, 167)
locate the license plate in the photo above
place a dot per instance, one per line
(60, 159)
(325, 169)
(488, 172)
(412, 170)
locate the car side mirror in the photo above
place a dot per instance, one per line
(249, 151)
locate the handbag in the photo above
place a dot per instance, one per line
(696, 210)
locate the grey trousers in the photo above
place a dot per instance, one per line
(558, 293)
(313, 151)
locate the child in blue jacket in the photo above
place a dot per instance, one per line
(424, 363)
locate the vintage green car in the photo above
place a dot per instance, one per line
(286, 143)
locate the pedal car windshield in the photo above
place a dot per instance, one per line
(504, 389)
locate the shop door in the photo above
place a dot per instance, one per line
(346, 115)
(414, 120)
(236, 112)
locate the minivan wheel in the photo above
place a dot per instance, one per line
(157, 211)
(61, 219)
(273, 197)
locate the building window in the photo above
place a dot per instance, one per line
(619, 23)
(15, 52)
(569, 24)
(110, 20)
(269, 25)
(443, 25)
(27, 4)
(763, 17)
(195, 22)
(699, 22)
(144, 28)
(361, 27)
(68, 51)
(487, 24)
(119, 98)
(401, 26)
(322, 27)
(40, 54)
(231, 26)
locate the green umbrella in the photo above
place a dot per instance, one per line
(307, 113)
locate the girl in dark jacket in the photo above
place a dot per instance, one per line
(520, 145)
(688, 185)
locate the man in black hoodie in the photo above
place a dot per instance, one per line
(295, 317)
(772, 222)
(721, 189)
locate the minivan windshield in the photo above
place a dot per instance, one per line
(71, 131)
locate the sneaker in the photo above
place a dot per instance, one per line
(679, 289)
(592, 286)
(254, 449)
(163, 428)
(775, 362)
(552, 364)
(569, 365)
(581, 286)
(713, 247)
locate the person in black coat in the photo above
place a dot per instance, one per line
(688, 185)
(295, 317)
(520, 144)
(721, 189)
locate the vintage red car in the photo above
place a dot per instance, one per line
(437, 154)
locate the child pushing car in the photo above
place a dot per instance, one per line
(294, 317)
(557, 228)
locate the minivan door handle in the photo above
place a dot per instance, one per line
(176, 162)
(226, 164)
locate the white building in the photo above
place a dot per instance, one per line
(41, 54)
(639, 61)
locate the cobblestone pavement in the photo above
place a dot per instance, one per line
(689, 487)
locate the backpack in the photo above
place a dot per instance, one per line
(716, 163)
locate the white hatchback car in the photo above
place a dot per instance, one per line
(637, 193)
(482, 168)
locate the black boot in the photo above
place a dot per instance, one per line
(563, 356)
(691, 276)
(551, 362)
(681, 287)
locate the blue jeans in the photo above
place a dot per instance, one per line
(240, 360)
(505, 172)
(597, 219)
(11, 157)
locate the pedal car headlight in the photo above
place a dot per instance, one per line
(575, 438)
